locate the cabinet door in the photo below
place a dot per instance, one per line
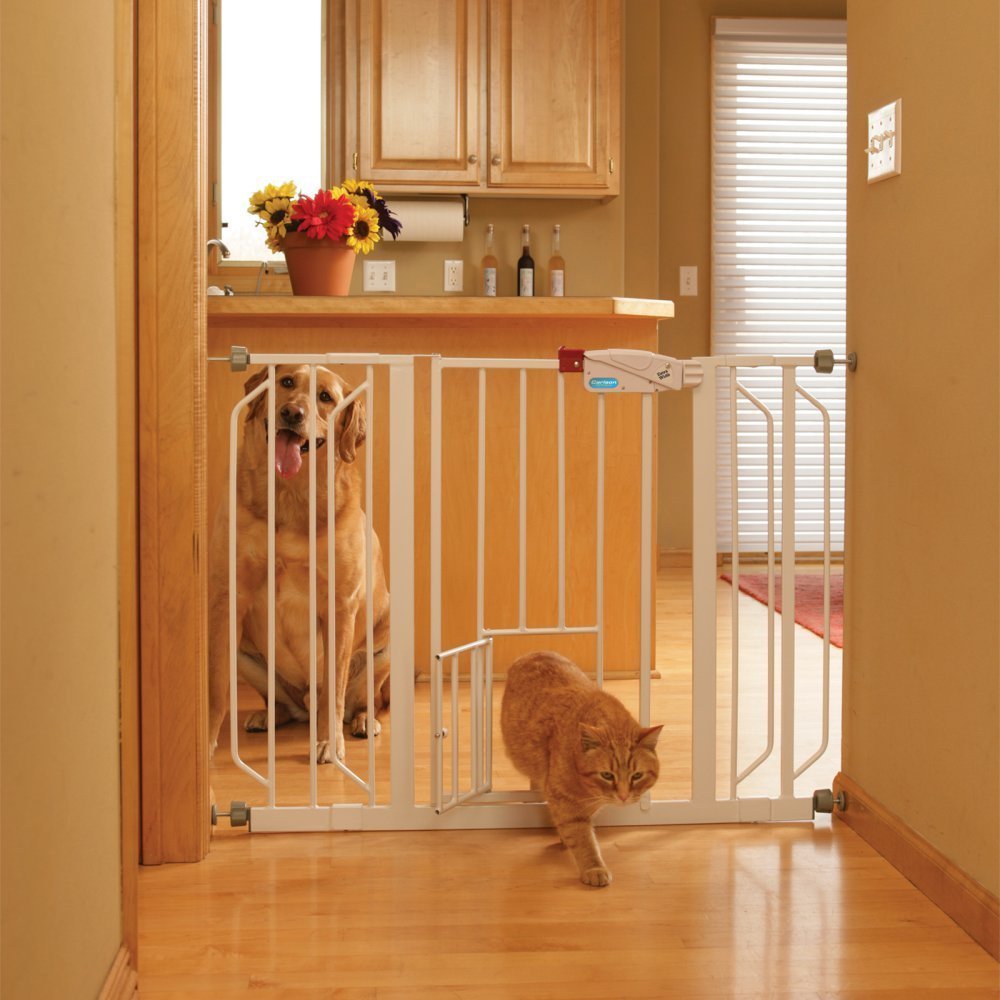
(554, 94)
(418, 100)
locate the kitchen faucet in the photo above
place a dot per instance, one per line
(224, 252)
(223, 249)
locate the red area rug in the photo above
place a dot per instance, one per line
(808, 599)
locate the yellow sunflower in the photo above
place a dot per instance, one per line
(364, 234)
(259, 199)
(276, 215)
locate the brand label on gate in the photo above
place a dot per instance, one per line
(604, 382)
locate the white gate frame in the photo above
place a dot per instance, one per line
(478, 807)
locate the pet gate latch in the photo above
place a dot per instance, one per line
(627, 370)
(239, 814)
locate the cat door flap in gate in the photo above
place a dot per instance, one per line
(462, 740)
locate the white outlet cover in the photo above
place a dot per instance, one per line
(453, 277)
(688, 280)
(884, 142)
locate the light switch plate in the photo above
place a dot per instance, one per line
(689, 280)
(884, 149)
(379, 276)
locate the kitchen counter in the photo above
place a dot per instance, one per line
(233, 309)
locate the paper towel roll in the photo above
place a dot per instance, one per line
(441, 221)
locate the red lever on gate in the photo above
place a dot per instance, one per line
(570, 359)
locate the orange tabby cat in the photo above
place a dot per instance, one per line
(579, 745)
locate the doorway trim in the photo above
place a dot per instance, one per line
(170, 307)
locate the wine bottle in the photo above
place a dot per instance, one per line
(526, 265)
(557, 267)
(489, 265)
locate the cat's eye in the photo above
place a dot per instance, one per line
(607, 776)
(638, 776)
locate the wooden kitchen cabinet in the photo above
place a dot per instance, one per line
(554, 72)
(418, 94)
(484, 96)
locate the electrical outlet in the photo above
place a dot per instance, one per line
(689, 281)
(453, 275)
(379, 276)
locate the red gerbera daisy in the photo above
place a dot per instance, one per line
(324, 215)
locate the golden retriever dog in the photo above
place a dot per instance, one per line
(293, 626)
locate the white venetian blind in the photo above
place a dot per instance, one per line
(779, 211)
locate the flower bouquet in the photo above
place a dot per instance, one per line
(339, 223)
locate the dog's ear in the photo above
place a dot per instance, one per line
(251, 383)
(353, 428)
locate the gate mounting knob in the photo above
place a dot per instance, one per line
(239, 814)
(824, 801)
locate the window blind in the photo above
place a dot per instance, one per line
(779, 213)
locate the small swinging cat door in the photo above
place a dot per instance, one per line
(462, 742)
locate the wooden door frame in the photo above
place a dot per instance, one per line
(170, 73)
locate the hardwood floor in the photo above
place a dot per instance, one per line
(785, 911)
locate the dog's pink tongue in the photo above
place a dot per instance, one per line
(287, 454)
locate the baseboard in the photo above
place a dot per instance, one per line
(972, 907)
(122, 983)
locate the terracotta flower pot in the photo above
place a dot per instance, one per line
(318, 267)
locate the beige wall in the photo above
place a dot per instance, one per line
(921, 623)
(61, 841)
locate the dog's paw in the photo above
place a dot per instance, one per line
(256, 722)
(597, 876)
(323, 755)
(359, 726)
(341, 746)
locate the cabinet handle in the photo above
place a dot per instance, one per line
(473, 158)
(495, 161)
(355, 158)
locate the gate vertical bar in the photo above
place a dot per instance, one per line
(703, 586)
(787, 581)
(370, 578)
(599, 569)
(435, 561)
(561, 491)
(646, 546)
(522, 520)
(271, 765)
(481, 509)
(313, 646)
(402, 587)
(734, 516)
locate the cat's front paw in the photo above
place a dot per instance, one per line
(597, 876)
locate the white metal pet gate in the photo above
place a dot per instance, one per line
(461, 798)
